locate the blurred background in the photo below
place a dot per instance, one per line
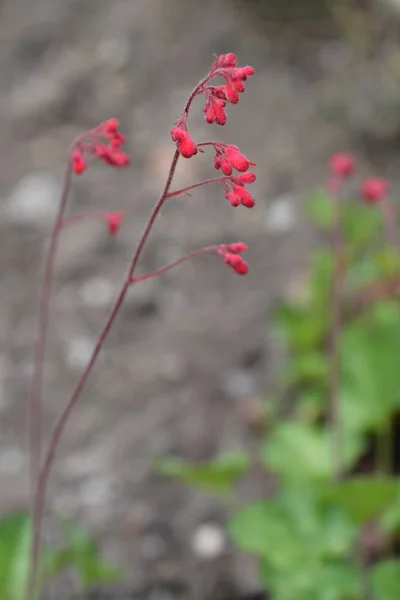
(191, 356)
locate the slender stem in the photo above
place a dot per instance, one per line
(40, 492)
(388, 211)
(64, 415)
(184, 190)
(35, 392)
(81, 217)
(334, 350)
(180, 260)
(364, 579)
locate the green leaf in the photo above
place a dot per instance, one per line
(264, 529)
(300, 326)
(306, 368)
(361, 224)
(93, 570)
(15, 537)
(300, 452)
(303, 544)
(322, 266)
(310, 404)
(385, 578)
(81, 552)
(325, 580)
(296, 524)
(390, 520)
(319, 207)
(364, 498)
(370, 349)
(218, 475)
(388, 262)
(78, 540)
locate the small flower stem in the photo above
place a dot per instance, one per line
(180, 260)
(334, 341)
(82, 217)
(35, 392)
(187, 189)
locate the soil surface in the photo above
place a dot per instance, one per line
(191, 352)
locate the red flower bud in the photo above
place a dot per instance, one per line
(226, 167)
(236, 158)
(374, 190)
(237, 247)
(119, 159)
(78, 162)
(111, 126)
(186, 146)
(220, 115)
(177, 134)
(113, 221)
(245, 197)
(238, 85)
(218, 161)
(233, 198)
(248, 177)
(243, 73)
(231, 93)
(342, 164)
(229, 60)
(117, 140)
(237, 263)
(210, 115)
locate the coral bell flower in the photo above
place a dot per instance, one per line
(374, 190)
(342, 164)
(113, 221)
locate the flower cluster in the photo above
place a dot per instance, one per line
(343, 165)
(375, 189)
(231, 256)
(229, 157)
(225, 65)
(217, 97)
(184, 142)
(235, 191)
(104, 142)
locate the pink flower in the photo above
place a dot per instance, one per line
(78, 162)
(374, 189)
(105, 142)
(184, 142)
(237, 263)
(248, 177)
(113, 221)
(342, 164)
(237, 247)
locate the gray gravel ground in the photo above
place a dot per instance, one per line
(193, 349)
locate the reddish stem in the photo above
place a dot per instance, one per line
(194, 186)
(334, 349)
(82, 217)
(388, 211)
(35, 393)
(40, 492)
(180, 260)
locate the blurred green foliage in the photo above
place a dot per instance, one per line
(78, 554)
(307, 538)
